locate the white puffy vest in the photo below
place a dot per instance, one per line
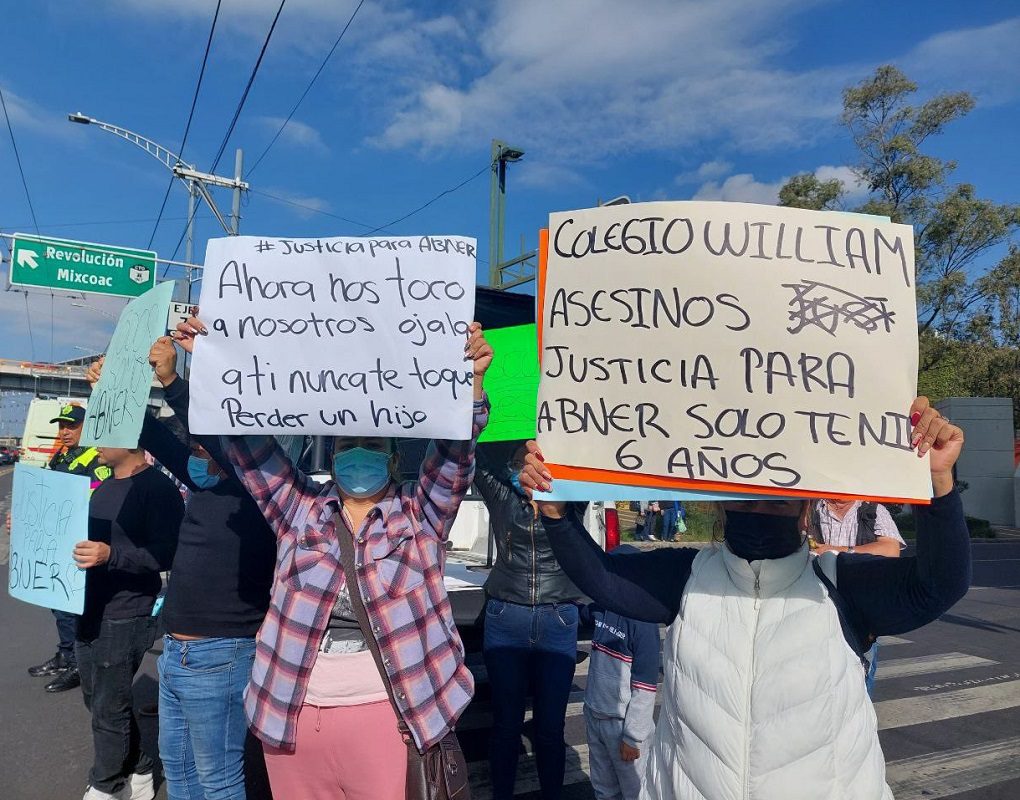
(763, 699)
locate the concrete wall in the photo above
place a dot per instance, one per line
(987, 460)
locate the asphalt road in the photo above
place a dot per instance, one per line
(948, 701)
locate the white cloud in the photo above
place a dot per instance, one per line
(743, 188)
(716, 168)
(541, 175)
(981, 60)
(296, 133)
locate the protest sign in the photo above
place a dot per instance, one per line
(339, 336)
(49, 515)
(568, 491)
(730, 347)
(512, 384)
(115, 411)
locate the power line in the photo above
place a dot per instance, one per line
(423, 206)
(187, 127)
(308, 88)
(28, 315)
(146, 220)
(233, 122)
(17, 157)
(247, 88)
(314, 209)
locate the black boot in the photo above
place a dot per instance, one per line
(54, 666)
(68, 679)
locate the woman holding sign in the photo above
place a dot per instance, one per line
(348, 665)
(764, 693)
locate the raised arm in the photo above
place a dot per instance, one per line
(449, 465)
(644, 586)
(282, 493)
(892, 596)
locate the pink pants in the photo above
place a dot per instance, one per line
(342, 753)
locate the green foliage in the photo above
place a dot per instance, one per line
(968, 314)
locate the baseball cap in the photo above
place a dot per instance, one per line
(70, 413)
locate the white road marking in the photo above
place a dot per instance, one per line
(891, 641)
(926, 665)
(943, 774)
(907, 711)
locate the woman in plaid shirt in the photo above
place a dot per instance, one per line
(316, 698)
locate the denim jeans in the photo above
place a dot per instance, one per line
(526, 646)
(67, 626)
(108, 664)
(202, 726)
(869, 681)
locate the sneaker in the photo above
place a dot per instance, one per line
(92, 793)
(652, 537)
(54, 666)
(141, 787)
(68, 679)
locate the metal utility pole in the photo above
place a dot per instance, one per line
(502, 154)
(196, 182)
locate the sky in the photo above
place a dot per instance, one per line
(655, 99)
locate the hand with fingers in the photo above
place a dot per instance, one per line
(535, 476)
(189, 330)
(94, 371)
(163, 358)
(936, 436)
(479, 351)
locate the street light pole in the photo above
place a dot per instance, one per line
(197, 183)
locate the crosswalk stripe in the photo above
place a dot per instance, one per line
(927, 777)
(947, 705)
(943, 774)
(478, 717)
(890, 641)
(926, 665)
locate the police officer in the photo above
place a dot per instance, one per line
(75, 460)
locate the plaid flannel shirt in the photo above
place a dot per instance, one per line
(399, 555)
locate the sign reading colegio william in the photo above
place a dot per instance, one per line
(730, 345)
(81, 266)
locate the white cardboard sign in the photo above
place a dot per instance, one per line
(339, 336)
(732, 343)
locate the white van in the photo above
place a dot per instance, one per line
(39, 441)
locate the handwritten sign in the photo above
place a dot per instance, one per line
(335, 336)
(115, 412)
(720, 346)
(49, 515)
(512, 384)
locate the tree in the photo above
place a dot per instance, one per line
(953, 228)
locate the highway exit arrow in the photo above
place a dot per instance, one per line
(27, 258)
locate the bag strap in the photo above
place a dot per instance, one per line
(843, 612)
(346, 539)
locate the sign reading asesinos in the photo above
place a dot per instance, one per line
(81, 266)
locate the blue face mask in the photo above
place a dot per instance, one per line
(198, 471)
(360, 472)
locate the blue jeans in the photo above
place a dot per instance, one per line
(869, 681)
(202, 726)
(526, 646)
(67, 628)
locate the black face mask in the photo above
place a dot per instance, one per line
(758, 536)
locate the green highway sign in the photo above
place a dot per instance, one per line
(81, 266)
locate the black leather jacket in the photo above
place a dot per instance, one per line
(526, 571)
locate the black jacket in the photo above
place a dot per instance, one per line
(526, 571)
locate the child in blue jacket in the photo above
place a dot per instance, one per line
(619, 699)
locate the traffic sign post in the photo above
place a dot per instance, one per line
(81, 266)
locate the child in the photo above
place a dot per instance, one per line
(619, 698)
